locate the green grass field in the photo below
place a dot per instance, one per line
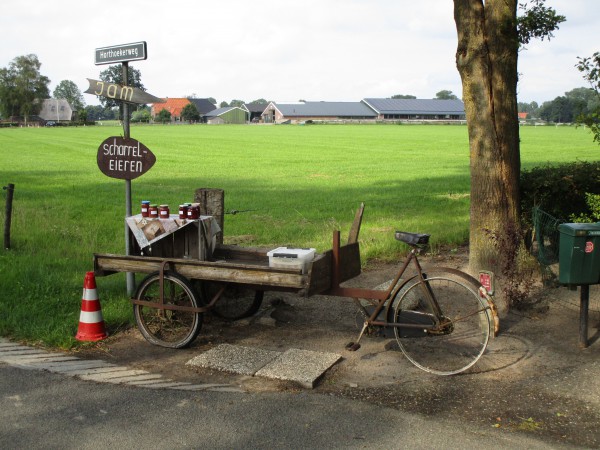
(295, 185)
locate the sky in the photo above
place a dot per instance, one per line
(283, 51)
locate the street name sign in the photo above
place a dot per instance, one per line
(126, 94)
(121, 53)
(124, 158)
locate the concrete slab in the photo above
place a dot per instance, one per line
(207, 386)
(234, 359)
(34, 362)
(91, 370)
(13, 351)
(300, 366)
(95, 370)
(114, 374)
(78, 365)
(6, 346)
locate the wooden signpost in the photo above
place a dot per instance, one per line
(123, 157)
(126, 94)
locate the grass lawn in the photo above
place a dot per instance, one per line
(292, 184)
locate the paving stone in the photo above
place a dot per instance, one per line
(29, 362)
(234, 359)
(300, 366)
(109, 375)
(97, 370)
(79, 365)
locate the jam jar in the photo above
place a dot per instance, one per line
(153, 211)
(145, 206)
(183, 211)
(163, 211)
(193, 212)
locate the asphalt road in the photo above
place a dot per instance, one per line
(42, 410)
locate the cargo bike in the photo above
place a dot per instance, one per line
(442, 318)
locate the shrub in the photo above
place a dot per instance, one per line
(559, 190)
(593, 202)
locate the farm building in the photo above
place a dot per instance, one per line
(203, 105)
(56, 110)
(416, 109)
(369, 109)
(230, 114)
(254, 110)
(320, 111)
(173, 105)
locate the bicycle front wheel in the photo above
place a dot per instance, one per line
(167, 327)
(443, 341)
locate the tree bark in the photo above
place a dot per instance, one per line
(486, 59)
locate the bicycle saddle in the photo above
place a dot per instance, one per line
(412, 238)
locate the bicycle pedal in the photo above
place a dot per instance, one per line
(352, 346)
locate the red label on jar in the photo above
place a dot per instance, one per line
(183, 211)
(193, 212)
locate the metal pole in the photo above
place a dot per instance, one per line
(126, 134)
(584, 304)
(8, 217)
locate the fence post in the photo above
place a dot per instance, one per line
(212, 203)
(7, 219)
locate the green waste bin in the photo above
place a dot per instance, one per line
(579, 253)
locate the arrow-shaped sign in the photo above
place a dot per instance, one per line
(120, 93)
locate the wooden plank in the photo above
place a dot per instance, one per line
(321, 271)
(355, 229)
(227, 252)
(204, 270)
(320, 274)
(350, 261)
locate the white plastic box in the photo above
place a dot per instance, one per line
(291, 258)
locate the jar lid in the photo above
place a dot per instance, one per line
(153, 205)
(146, 201)
(164, 206)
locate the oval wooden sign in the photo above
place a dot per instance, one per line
(125, 159)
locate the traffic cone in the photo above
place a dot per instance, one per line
(91, 325)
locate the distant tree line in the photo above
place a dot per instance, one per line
(565, 108)
(23, 87)
(441, 95)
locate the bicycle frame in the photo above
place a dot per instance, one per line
(382, 297)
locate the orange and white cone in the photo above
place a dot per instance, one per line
(91, 323)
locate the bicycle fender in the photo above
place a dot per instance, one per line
(492, 311)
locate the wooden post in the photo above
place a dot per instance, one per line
(8, 217)
(130, 277)
(584, 305)
(212, 202)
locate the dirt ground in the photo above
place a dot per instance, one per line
(534, 377)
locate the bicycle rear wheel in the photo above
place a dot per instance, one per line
(236, 302)
(165, 327)
(455, 345)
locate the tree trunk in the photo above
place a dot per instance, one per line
(486, 59)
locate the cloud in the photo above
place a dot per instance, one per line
(314, 49)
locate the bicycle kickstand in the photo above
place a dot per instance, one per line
(353, 346)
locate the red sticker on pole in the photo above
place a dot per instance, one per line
(589, 246)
